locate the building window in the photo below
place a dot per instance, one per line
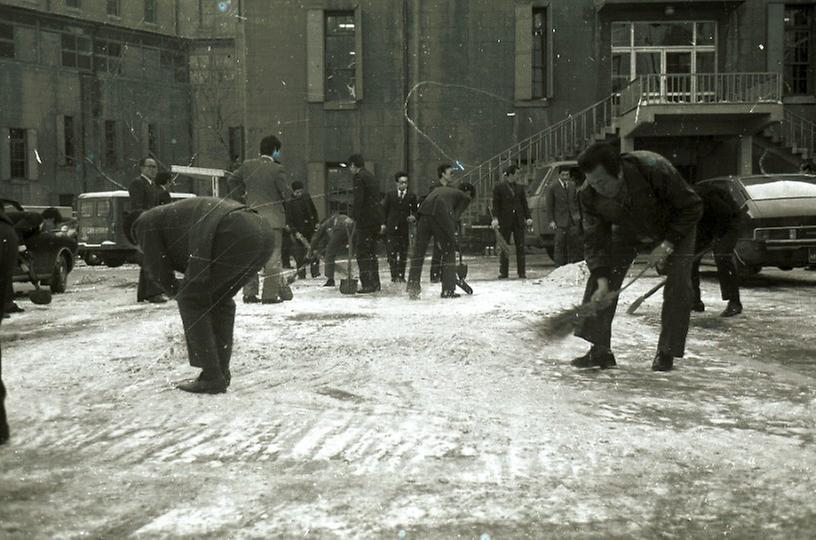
(17, 152)
(76, 52)
(150, 11)
(662, 48)
(6, 41)
(798, 50)
(339, 188)
(152, 139)
(108, 56)
(174, 65)
(341, 61)
(76, 4)
(540, 53)
(110, 143)
(114, 8)
(69, 145)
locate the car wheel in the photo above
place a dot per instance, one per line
(114, 262)
(59, 276)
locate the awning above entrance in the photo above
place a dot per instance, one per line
(601, 4)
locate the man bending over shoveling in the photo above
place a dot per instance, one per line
(652, 207)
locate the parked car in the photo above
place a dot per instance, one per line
(542, 236)
(100, 230)
(779, 226)
(52, 256)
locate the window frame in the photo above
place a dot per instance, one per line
(9, 41)
(73, 4)
(809, 79)
(18, 153)
(103, 58)
(117, 12)
(75, 52)
(329, 71)
(151, 7)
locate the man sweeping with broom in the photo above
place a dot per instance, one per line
(650, 205)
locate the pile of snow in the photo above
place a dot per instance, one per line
(569, 275)
(782, 189)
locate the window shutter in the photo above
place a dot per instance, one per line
(524, 52)
(358, 54)
(316, 182)
(5, 154)
(776, 38)
(61, 140)
(33, 167)
(315, 56)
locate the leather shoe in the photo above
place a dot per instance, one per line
(450, 294)
(202, 386)
(733, 308)
(158, 299)
(662, 362)
(502, 276)
(13, 308)
(698, 306)
(329, 283)
(595, 358)
(367, 290)
(251, 299)
(435, 279)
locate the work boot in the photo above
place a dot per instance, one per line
(595, 358)
(502, 276)
(251, 299)
(204, 386)
(450, 294)
(158, 299)
(663, 362)
(698, 306)
(734, 307)
(329, 283)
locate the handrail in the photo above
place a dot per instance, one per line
(798, 132)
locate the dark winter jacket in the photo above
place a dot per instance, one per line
(720, 210)
(335, 224)
(654, 204)
(510, 205)
(366, 209)
(445, 205)
(397, 211)
(301, 215)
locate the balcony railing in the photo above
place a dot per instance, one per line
(695, 88)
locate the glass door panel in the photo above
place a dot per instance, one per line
(677, 83)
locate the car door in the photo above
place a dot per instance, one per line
(535, 200)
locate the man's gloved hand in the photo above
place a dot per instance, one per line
(659, 254)
(495, 223)
(602, 291)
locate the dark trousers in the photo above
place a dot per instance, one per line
(568, 246)
(723, 248)
(677, 300)
(397, 243)
(428, 227)
(299, 251)
(8, 259)
(436, 261)
(517, 232)
(367, 257)
(337, 245)
(286, 250)
(147, 288)
(243, 243)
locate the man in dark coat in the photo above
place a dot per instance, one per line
(718, 229)
(444, 177)
(8, 259)
(301, 222)
(652, 206)
(218, 245)
(561, 203)
(400, 208)
(368, 217)
(144, 195)
(163, 179)
(261, 183)
(439, 216)
(511, 216)
(332, 237)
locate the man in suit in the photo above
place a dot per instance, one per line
(650, 206)
(511, 216)
(561, 203)
(400, 208)
(218, 245)
(439, 216)
(8, 259)
(368, 218)
(718, 229)
(301, 222)
(261, 184)
(332, 236)
(444, 177)
(144, 195)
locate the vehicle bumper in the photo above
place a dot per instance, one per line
(793, 253)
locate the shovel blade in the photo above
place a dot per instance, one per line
(462, 271)
(348, 286)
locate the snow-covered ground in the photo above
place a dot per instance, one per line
(374, 416)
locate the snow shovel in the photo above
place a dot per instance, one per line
(461, 273)
(40, 296)
(639, 301)
(348, 285)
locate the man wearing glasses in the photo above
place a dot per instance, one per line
(400, 207)
(144, 195)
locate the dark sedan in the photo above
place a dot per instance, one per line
(779, 226)
(52, 256)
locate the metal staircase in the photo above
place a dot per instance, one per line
(795, 133)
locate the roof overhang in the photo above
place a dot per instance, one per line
(601, 4)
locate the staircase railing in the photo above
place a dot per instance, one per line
(798, 133)
(562, 140)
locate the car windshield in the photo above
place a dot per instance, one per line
(775, 187)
